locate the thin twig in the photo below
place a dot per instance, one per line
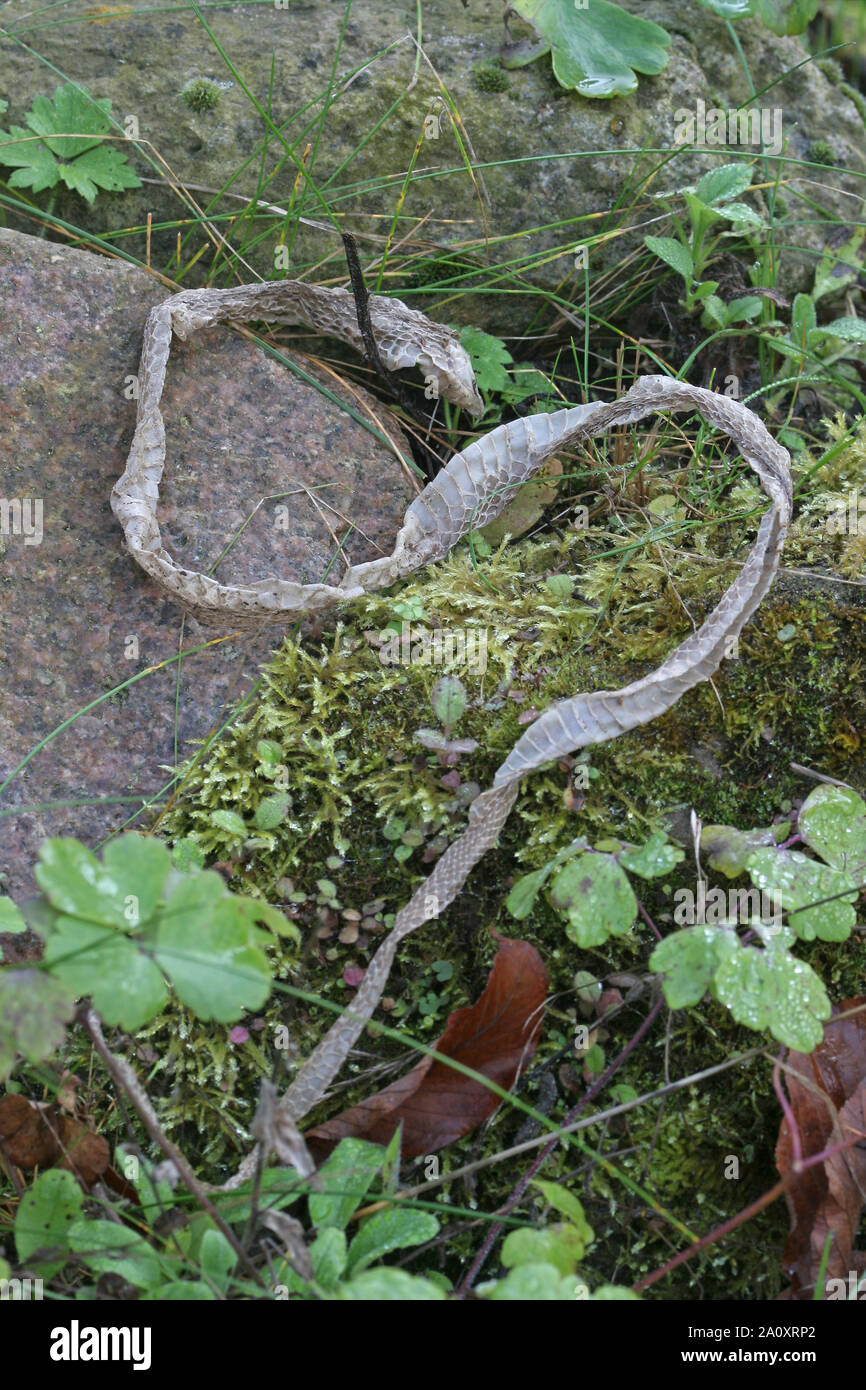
(425, 457)
(123, 1076)
(495, 1230)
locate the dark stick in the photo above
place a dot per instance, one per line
(426, 457)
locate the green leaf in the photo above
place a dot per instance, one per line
(396, 1228)
(652, 860)
(597, 50)
(45, 1217)
(798, 882)
(218, 1259)
(728, 849)
(596, 896)
(743, 216)
(851, 330)
(770, 988)
(531, 1283)
(34, 1008)
(139, 865)
(106, 1247)
(521, 899)
(270, 752)
(328, 1256)
(839, 266)
(76, 883)
(104, 168)
(180, 1291)
(10, 917)
(230, 821)
(688, 959)
(209, 956)
(722, 184)
(715, 310)
(271, 810)
(488, 356)
(562, 1246)
(568, 1205)
(674, 254)
(346, 1177)
(803, 318)
(449, 700)
(833, 823)
(614, 1293)
(386, 1285)
(124, 983)
(257, 910)
(729, 9)
(744, 309)
(35, 166)
(187, 854)
(786, 16)
(70, 110)
(126, 987)
(562, 585)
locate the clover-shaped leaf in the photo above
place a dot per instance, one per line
(561, 1245)
(597, 898)
(652, 860)
(596, 50)
(688, 959)
(116, 970)
(34, 1007)
(796, 882)
(770, 988)
(121, 892)
(72, 128)
(833, 823)
(212, 955)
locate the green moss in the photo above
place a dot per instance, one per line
(822, 153)
(490, 77)
(201, 94)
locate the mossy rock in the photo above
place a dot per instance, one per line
(372, 807)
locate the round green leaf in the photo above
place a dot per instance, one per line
(126, 987)
(209, 958)
(386, 1285)
(271, 810)
(45, 1216)
(770, 988)
(652, 860)
(797, 882)
(596, 896)
(688, 960)
(34, 1007)
(532, 1283)
(833, 823)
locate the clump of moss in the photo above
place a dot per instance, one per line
(489, 77)
(821, 152)
(201, 94)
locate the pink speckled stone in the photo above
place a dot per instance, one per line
(77, 615)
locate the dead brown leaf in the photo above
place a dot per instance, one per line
(827, 1199)
(436, 1104)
